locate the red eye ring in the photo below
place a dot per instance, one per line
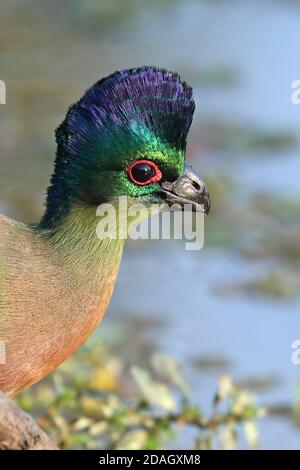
(133, 172)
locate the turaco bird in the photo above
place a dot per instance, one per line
(125, 137)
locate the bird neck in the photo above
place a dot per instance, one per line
(76, 238)
(89, 264)
(67, 277)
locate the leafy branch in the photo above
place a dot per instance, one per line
(88, 408)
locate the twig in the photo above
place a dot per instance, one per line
(18, 431)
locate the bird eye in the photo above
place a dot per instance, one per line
(144, 172)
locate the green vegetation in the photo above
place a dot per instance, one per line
(94, 401)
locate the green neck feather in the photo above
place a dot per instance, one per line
(77, 241)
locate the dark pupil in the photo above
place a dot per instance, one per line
(142, 172)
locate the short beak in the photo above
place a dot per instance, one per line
(187, 189)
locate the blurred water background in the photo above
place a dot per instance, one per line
(234, 306)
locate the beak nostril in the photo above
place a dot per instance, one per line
(187, 189)
(196, 185)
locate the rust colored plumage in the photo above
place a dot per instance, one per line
(53, 293)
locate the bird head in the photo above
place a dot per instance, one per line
(126, 137)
